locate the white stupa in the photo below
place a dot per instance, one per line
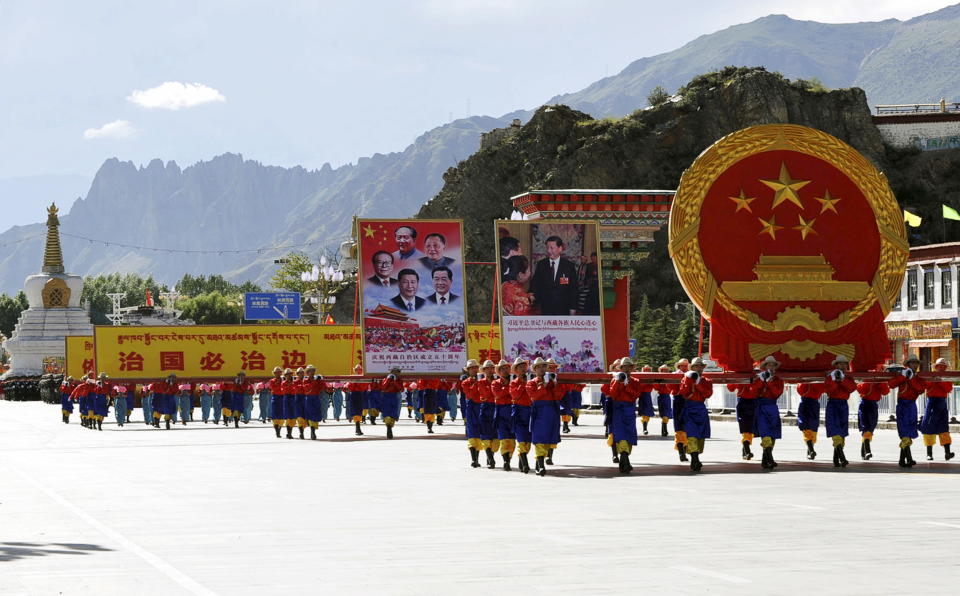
(37, 343)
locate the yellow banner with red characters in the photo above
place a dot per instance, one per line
(219, 351)
(79, 356)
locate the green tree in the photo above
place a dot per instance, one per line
(10, 309)
(656, 346)
(211, 309)
(288, 276)
(641, 318)
(134, 287)
(685, 343)
(192, 286)
(658, 96)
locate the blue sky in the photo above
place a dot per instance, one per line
(298, 82)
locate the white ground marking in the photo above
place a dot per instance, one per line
(733, 579)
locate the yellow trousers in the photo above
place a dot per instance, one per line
(694, 445)
(508, 446)
(387, 420)
(767, 442)
(680, 438)
(905, 442)
(543, 449)
(523, 447)
(475, 444)
(931, 440)
(838, 441)
(810, 435)
(624, 447)
(867, 435)
(748, 437)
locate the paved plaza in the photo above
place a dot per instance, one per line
(210, 510)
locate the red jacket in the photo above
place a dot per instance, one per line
(771, 389)
(501, 391)
(471, 389)
(872, 391)
(841, 389)
(486, 391)
(696, 390)
(314, 386)
(939, 388)
(743, 390)
(276, 386)
(625, 392)
(811, 390)
(388, 385)
(518, 391)
(540, 390)
(908, 388)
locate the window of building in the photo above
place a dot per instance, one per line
(912, 289)
(946, 287)
(928, 285)
(898, 304)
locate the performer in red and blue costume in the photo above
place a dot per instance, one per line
(81, 395)
(746, 413)
(679, 429)
(312, 386)
(469, 385)
(163, 400)
(390, 389)
(645, 402)
(545, 415)
(909, 387)
(808, 414)
(624, 391)
(289, 389)
(277, 415)
(520, 412)
(500, 386)
(696, 389)
(936, 416)
(867, 414)
(355, 391)
(607, 408)
(769, 388)
(488, 412)
(66, 404)
(428, 401)
(664, 403)
(838, 387)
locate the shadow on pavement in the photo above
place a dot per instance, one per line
(12, 551)
(678, 469)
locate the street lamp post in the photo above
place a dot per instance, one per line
(323, 284)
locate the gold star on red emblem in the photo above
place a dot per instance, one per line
(743, 202)
(769, 227)
(368, 231)
(805, 227)
(786, 188)
(827, 202)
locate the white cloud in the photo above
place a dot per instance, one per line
(118, 129)
(174, 95)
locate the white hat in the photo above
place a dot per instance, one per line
(769, 360)
(518, 361)
(625, 361)
(471, 364)
(942, 361)
(488, 364)
(698, 361)
(683, 361)
(841, 359)
(538, 362)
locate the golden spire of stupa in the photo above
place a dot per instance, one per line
(52, 256)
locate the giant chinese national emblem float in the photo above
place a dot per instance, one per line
(792, 244)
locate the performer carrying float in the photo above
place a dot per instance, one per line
(471, 410)
(354, 391)
(624, 391)
(746, 413)
(500, 386)
(867, 414)
(520, 412)
(936, 416)
(545, 416)
(838, 387)
(488, 412)
(313, 386)
(645, 403)
(664, 405)
(390, 389)
(679, 428)
(808, 414)
(696, 389)
(769, 388)
(909, 387)
(277, 416)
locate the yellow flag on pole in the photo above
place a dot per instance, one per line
(912, 220)
(950, 213)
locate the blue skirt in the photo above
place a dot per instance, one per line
(747, 415)
(65, 403)
(488, 427)
(100, 405)
(226, 401)
(390, 405)
(907, 418)
(545, 423)
(276, 408)
(768, 418)
(646, 404)
(354, 404)
(442, 401)
(936, 416)
(837, 417)
(679, 425)
(130, 401)
(299, 406)
(664, 407)
(428, 401)
(867, 416)
(373, 400)
(696, 419)
(311, 408)
(520, 417)
(471, 419)
(623, 422)
(290, 406)
(503, 421)
(808, 414)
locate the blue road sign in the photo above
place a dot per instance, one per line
(271, 306)
(633, 348)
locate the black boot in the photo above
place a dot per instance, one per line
(947, 454)
(506, 461)
(300, 428)
(358, 432)
(866, 449)
(566, 427)
(490, 461)
(836, 456)
(695, 464)
(903, 457)
(439, 421)
(550, 457)
(645, 431)
(863, 451)
(576, 420)
(616, 456)
(929, 452)
(843, 456)
(541, 468)
(474, 458)
(811, 453)
(389, 432)
(64, 419)
(625, 467)
(373, 419)
(99, 424)
(236, 422)
(277, 429)
(747, 454)
(910, 460)
(663, 429)
(682, 451)
(313, 434)
(429, 428)
(167, 421)
(767, 458)
(524, 463)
